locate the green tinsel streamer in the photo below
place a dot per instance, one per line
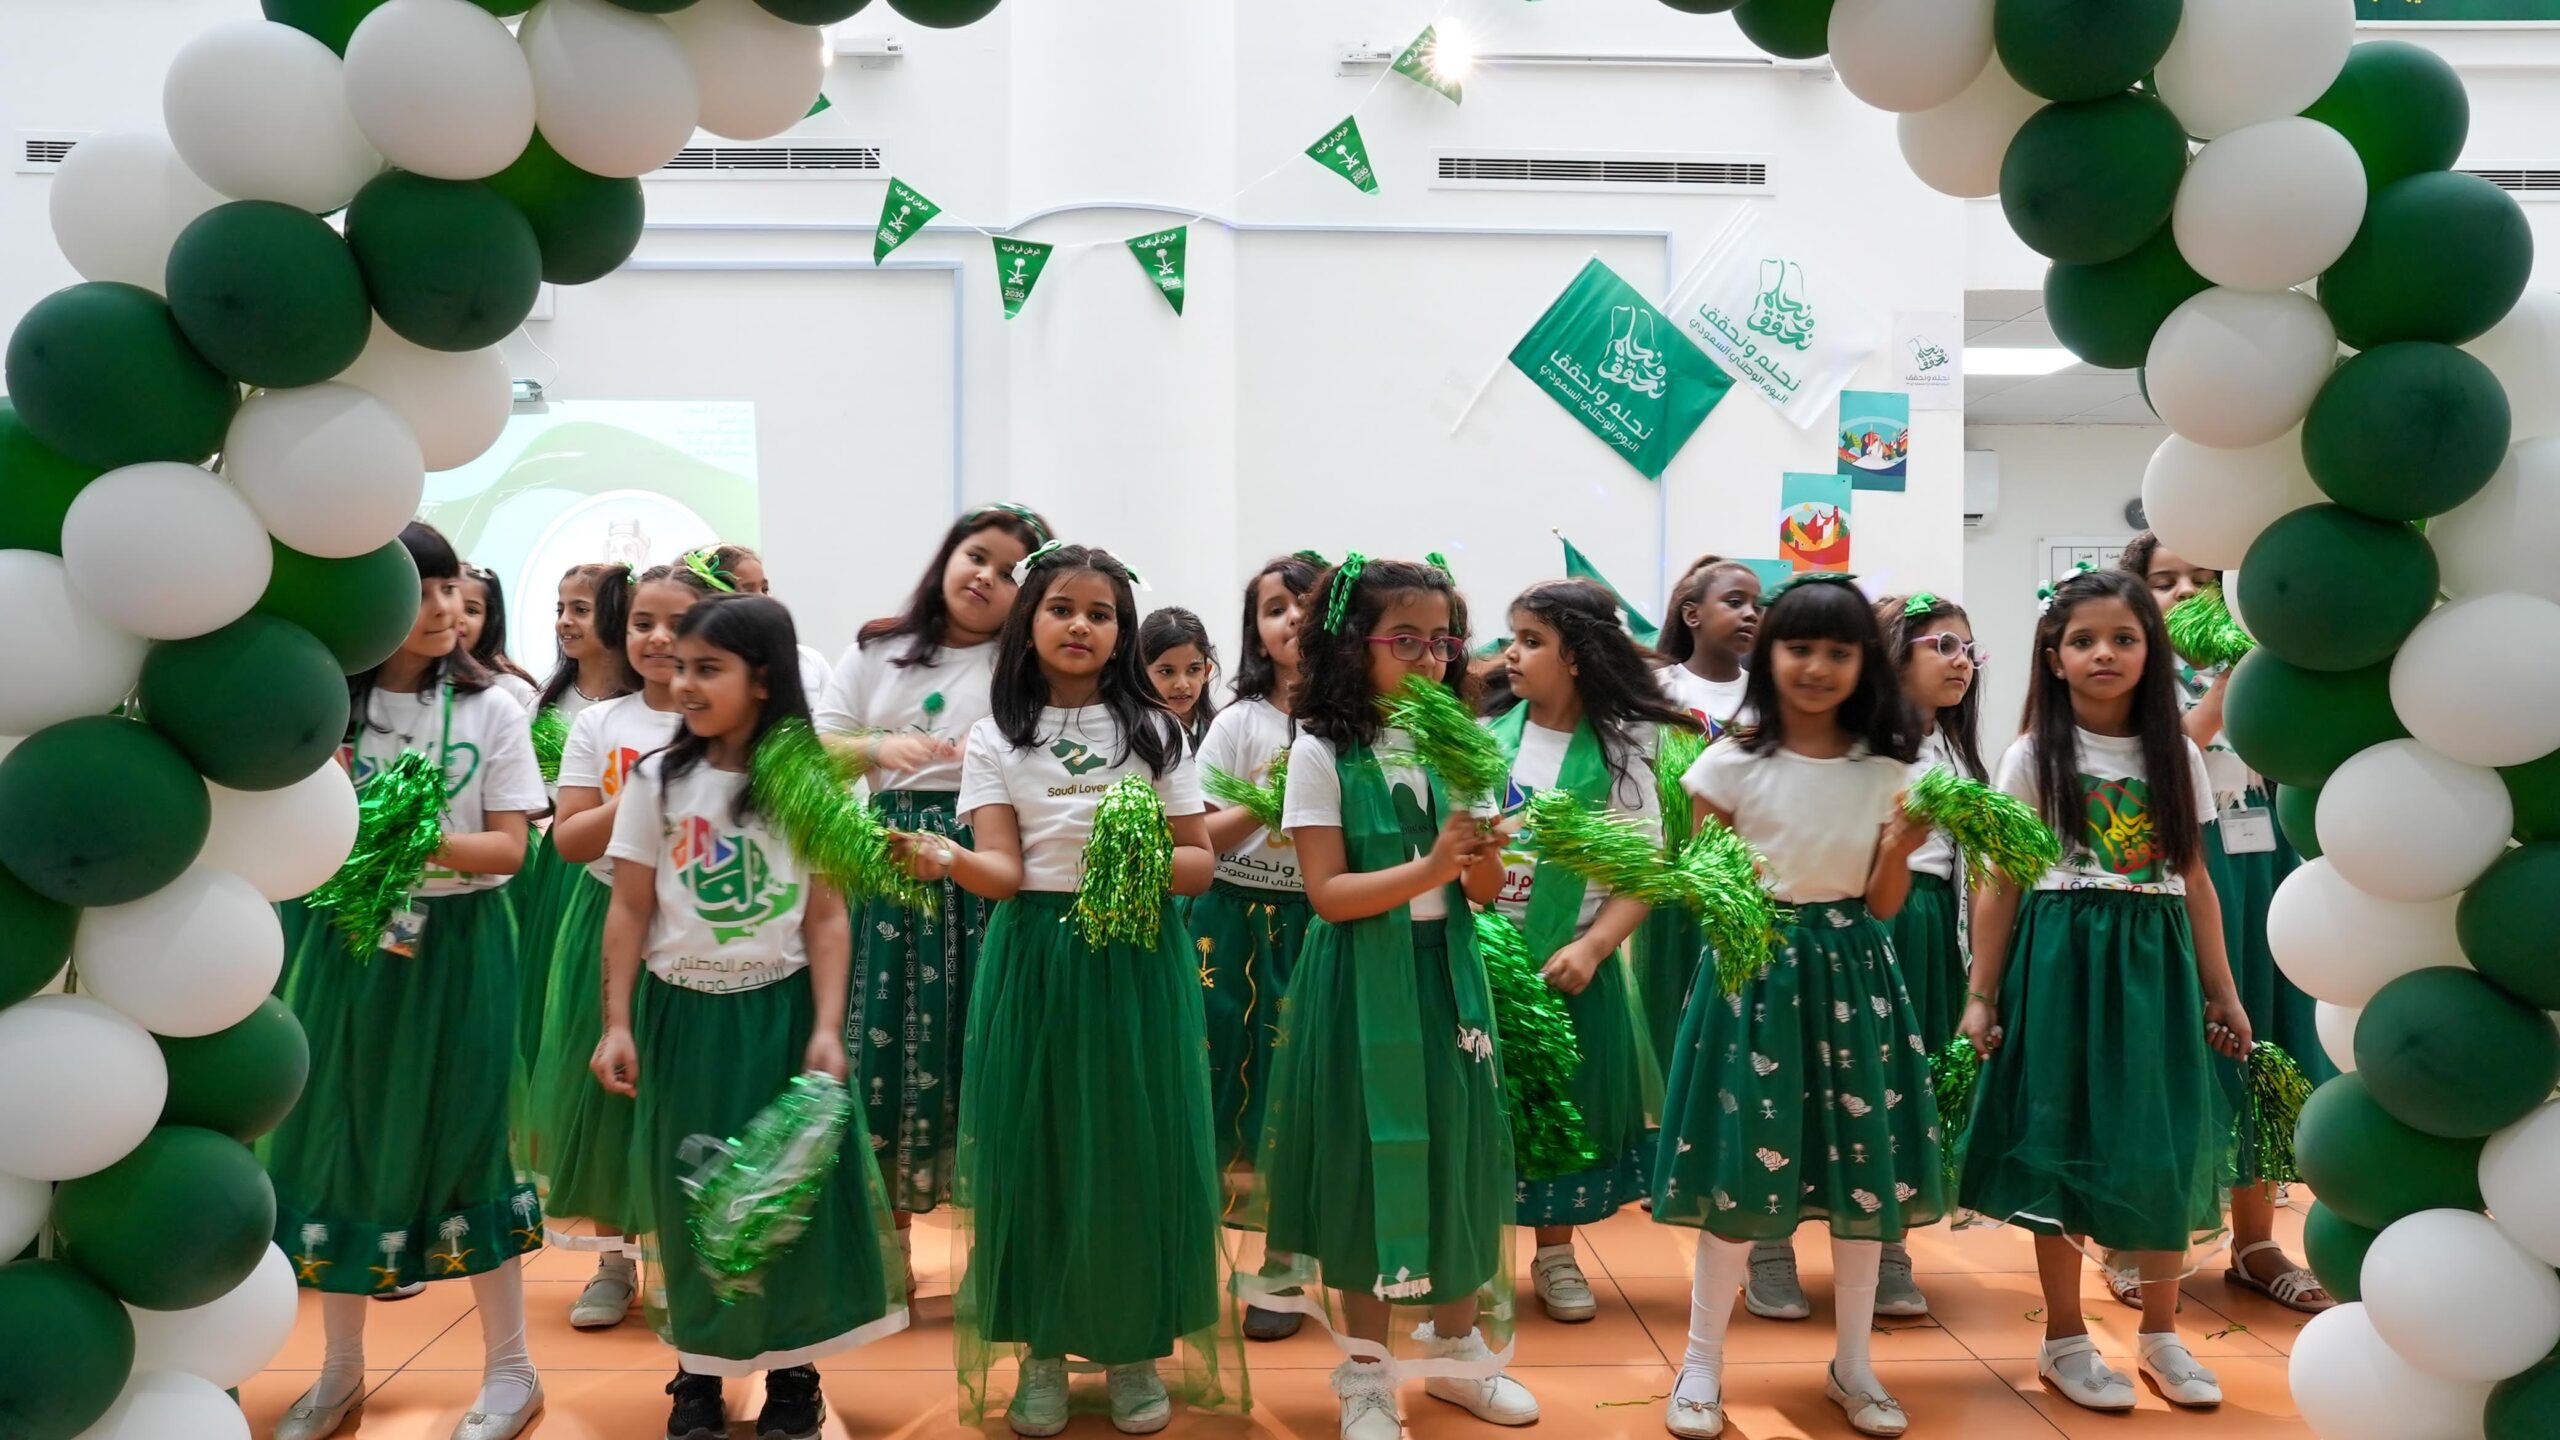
(804, 791)
(1673, 755)
(1953, 1072)
(2276, 1092)
(1539, 1055)
(1447, 739)
(550, 738)
(750, 1197)
(1263, 801)
(1128, 867)
(2000, 836)
(1717, 875)
(2203, 629)
(399, 826)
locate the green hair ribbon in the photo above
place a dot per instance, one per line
(1346, 578)
(1022, 568)
(2202, 628)
(1128, 867)
(550, 740)
(1019, 512)
(1919, 606)
(1540, 1054)
(706, 563)
(1312, 557)
(399, 828)
(1440, 562)
(1466, 757)
(2000, 836)
(1262, 801)
(805, 790)
(749, 1198)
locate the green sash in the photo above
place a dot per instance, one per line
(1555, 897)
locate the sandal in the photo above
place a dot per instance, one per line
(2296, 1289)
(2124, 1281)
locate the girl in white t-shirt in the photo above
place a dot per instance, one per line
(1086, 1161)
(1180, 663)
(737, 953)
(484, 633)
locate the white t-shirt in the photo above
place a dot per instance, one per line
(2230, 776)
(1817, 821)
(2114, 849)
(517, 688)
(605, 742)
(1055, 783)
(1315, 796)
(731, 896)
(571, 705)
(1243, 741)
(815, 677)
(870, 692)
(1541, 767)
(1717, 702)
(1937, 854)
(488, 763)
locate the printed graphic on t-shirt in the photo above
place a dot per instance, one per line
(2117, 828)
(734, 888)
(461, 762)
(1077, 758)
(1519, 857)
(618, 763)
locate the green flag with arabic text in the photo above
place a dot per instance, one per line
(1606, 355)
(1018, 267)
(903, 214)
(1342, 152)
(1164, 257)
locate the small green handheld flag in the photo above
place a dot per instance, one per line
(1578, 566)
(1342, 152)
(1018, 267)
(903, 213)
(1164, 254)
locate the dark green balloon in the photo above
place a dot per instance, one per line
(2335, 1247)
(101, 374)
(268, 293)
(1788, 29)
(2507, 920)
(2295, 726)
(653, 7)
(2088, 183)
(504, 7)
(2082, 49)
(813, 12)
(952, 14)
(586, 225)
(2535, 788)
(241, 1081)
(331, 22)
(100, 811)
(2447, 1052)
(361, 608)
(2330, 589)
(1702, 7)
(66, 1350)
(36, 487)
(2407, 431)
(2442, 256)
(175, 1224)
(449, 263)
(2370, 1168)
(35, 939)
(2296, 809)
(2521, 1407)
(256, 705)
(2401, 106)
(2106, 314)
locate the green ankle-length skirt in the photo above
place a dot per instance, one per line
(579, 1144)
(537, 894)
(1928, 950)
(1609, 1089)
(1667, 951)
(1247, 940)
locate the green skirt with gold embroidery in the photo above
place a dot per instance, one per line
(1246, 940)
(910, 1014)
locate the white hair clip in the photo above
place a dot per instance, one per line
(1022, 567)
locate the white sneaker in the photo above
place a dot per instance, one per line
(1562, 1287)
(2174, 1372)
(605, 1301)
(2075, 1370)
(1497, 1400)
(1368, 1402)
(1139, 1405)
(1039, 1399)
(1870, 1412)
(1697, 1406)
(1773, 1291)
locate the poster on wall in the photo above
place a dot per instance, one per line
(1778, 316)
(1929, 346)
(632, 482)
(1612, 361)
(1874, 448)
(2439, 12)
(1813, 522)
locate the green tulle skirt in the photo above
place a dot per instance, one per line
(1609, 1089)
(708, 1063)
(2102, 1113)
(579, 1143)
(1806, 1095)
(1928, 950)
(2278, 1011)
(536, 895)
(1666, 951)
(910, 1014)
(1248, 941)
(394, 1166)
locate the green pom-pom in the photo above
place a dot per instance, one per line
(1448, 741)
(1717, 875)
(550, 740)
(750, 1198)
(1604, 849)
(399, 827)
(1263, 801)
(805, 791)
(1539, 1055)
(1677, 750)
(1953, 1072)
(2277, 1091)
(2000, 837)
(1128, 867)
(2203, 629)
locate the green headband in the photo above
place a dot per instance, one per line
(1812, 577)
(1022, 513)
(1346, 577)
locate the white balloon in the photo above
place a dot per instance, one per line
(2236, 62)
(1904, 57)
(165, 550)
(2339, 944)
(456, 402)
(259, 110)
(332, 470)
(2479, 680)
(2351, 1385)
(118, 203)
(285, 842)
(2336, 1026)
(2401, 822)
(84, 1083)
(170, 1405)
(23, 1206)
(62, 658)
(440, 88)
(2210, 505)
(2270, 205)
(2523, 351)
(756, 72)
(1957, 147)
(2520, 1178)
(2235, 368)
(611, 88)
(2457, 1298)
(228, 1340)
(2504, 537)
(193, 957)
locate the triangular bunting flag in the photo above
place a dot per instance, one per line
(1341, 152)
(1163, 256)
(903, 213)
(1018, 267)
(824, 104)
(1421, 64)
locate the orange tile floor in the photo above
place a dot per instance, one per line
(1966, 1373)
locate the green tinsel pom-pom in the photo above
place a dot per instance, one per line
(1717, 875)
(1953, 1073)
(2203, 629)
(1676, 751)
(750, 1198)
(1539, 1055)
(805, 792)
(399, 827)
(1448, 741)
(2277, 1090)
(1128, 867)
(2000, 836)
(550, 739)
(1262, 801)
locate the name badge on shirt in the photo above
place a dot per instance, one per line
(2248, 830)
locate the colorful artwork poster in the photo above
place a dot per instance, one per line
(1813, 522)
(1874, 443)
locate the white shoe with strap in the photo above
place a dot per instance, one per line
(1562, 1288)
(2173, 1371)
(2074, 1368)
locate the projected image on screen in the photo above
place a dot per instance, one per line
(580, 481)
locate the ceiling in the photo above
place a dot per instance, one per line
(2077, 395)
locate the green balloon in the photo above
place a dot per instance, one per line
(2447, 1052)
(2521, 1406)
(2401, 106)
(1702, 7)
(175, 1224)
(330, 22)
(586, 225)
(66, 1350)
(653, 7)
(2088, 183)
(99, 811)
(241, 1081)
(2106, 314)
(2442, 256)
(449, 263)
(2295, 726)
(2327, 588)
(256, 705)
(504, 7)
(2535, 788)
(952, 14)
(35, 939)
(2506, 921)
(2296, 809)
(2407, 431)
(361, 608)
(2082, 49)
(36, 487)
(2335, 1247)
(101, 374)
(268, 293)
(813, 12)
(2370, 1168)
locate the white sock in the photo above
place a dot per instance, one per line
(1565, 1249)
(342, 1369)
(506, 1368)
(1853, 1295)
(619, 1266)
(1713, 1287)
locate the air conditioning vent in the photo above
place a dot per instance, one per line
(41, 152)
(2523, 180)
(1632, 172)
(840, 160)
